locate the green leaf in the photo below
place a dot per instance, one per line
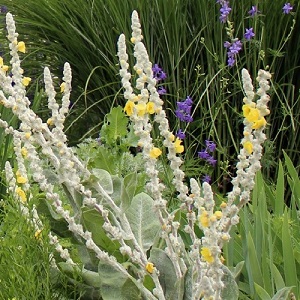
(105, 160)
(294, 180)
(261, 292)
(130, 188)
(290, 270)
(253, 264)
(93, 222)
(103, 177)
(283, 294)
(230, 290)
(167, 275)
(279, 201)
(115, 285)
(115, 127)
(278, 280)
(143, 221)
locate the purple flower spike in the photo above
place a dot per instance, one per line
(287, 8)
(249, 34)
(253, 11)
(183, 111)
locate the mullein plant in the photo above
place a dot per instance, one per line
(196, 269)
(145, 107)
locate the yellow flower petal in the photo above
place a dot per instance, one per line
(21, 194)
(150, 108)
(37, 234)
(155, 152)
(141, 109)
(62, 87)
(248, 146)
(259, 123)
(206, 255)
(24, 152)
(129, 108)
(26, 81)
(21, 47)
(149, 267)
(21, 179)
(178, 147)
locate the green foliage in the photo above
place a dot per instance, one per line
(26, 271)
(268, 240)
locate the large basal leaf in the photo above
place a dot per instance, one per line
(115, 285)
(142, 219)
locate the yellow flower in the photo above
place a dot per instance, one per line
(26, 81)
(37, 234)
(259, 123)
(21, 194)
(155, 152)
(27, 135)
(248, 146)
(21, 179)
(218, 214)
(203, 219)
(150, 108)
(24, 152)
(178, 147)
(141, 109)
(5, 68)
(149, 267)
(1, 61)
(21, 47)
(129, 107)
(50, 122)
(171, 137)
(223, 205)
(206, 255)
(132, 40)
(62, 87)
(251, 113)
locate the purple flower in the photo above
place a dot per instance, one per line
(232, 50)
(180, 134)
(287, 8)
(227, 44)
(203, 154)
(224, 10)
(161, 90)
(183, 111)
(206, 178)
(211, 161)
(158, 73)
(249, 34)
(210, 146)
(253, 11)
(3, 9)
